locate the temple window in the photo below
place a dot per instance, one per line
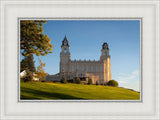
(72, 68)
(96, 69)
(82, 68)
(91, 68)
(101, 68)
(86, 68)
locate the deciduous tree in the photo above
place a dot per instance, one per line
(78, 81)
(112, 83)
(63, 80)
(40, 71)
(32, 38)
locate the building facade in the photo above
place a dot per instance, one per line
(99, 71)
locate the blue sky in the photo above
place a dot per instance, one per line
(86, 38)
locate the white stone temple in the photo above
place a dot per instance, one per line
(96, 70)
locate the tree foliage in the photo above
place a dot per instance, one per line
(28, 77)
(74, 80)
(28, 64)
(24, 65)
(89, 81)
(32, 39)
(112, 83)
(63, 80)
(97, 83)
(78, 81)
(40, 71)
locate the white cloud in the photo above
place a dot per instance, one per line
(130, 80)
(122, 82)
(131, 76)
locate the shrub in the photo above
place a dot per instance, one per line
(78, 81)
(43, 81)
(112, 83)
(74, 80)
(28, 77)
(90, 81)
(97, 83)
(63, 80)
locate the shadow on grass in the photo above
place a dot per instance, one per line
(37, 94)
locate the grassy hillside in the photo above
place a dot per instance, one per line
(58, 91)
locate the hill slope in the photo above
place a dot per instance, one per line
(57, 91)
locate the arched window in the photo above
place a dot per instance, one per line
(82, 69)
(77, 67)
(72, 68)
(101, 77)
(86, 68)
(101, 68)
(91, 68)
(63, 69)
(96, 69)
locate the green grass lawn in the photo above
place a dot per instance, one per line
(58, 91)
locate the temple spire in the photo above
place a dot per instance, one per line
(105, 46)
(65, 38)
(65, 41)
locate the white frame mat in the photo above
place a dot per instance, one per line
(147, 11)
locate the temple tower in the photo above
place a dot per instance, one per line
(105, 58)
(65, 56)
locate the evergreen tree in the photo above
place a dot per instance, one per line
(28, 64)
(90, 81)
(24, 65)
(97, 83)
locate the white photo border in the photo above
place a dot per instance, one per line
(147, 109)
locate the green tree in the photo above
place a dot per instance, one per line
(40, 71)
(24, 65)
(112, 83)
(28, 64)
(97, 83)
(78, 81)
(90, 81)
(74, 80)
(63, 80)
(32, 39)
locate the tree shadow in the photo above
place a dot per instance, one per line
(37, 94)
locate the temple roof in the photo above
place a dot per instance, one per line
(65, 41)
(105, 46)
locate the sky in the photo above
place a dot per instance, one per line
(86, 38)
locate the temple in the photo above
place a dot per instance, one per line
(99, 71)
